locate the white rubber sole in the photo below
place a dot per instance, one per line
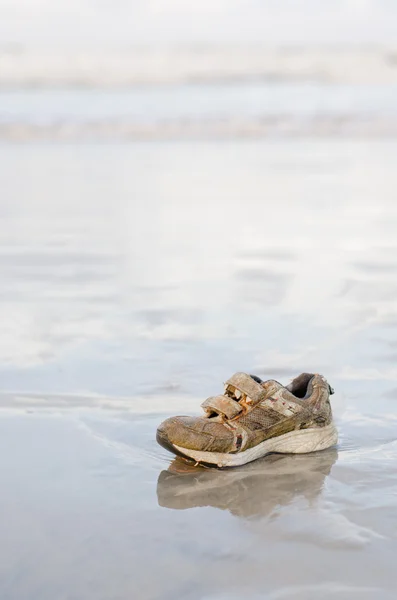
(300, 441)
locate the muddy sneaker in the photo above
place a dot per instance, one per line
(253, 418)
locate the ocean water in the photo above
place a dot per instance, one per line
(192, 111)
(204, 92)
(136, 277)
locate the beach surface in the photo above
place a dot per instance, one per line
(136, 278)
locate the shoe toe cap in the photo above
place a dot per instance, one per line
(195, 433)
(176, 431)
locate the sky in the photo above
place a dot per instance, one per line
(103, 23)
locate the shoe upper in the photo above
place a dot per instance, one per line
(249, 412)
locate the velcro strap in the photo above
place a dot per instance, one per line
(222, 405)
(248, 386)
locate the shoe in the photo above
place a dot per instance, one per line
(251, 491)
(253, 418)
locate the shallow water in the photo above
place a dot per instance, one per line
(222, 109)
(217, 101)
(135, 279)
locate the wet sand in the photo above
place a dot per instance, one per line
(135, 279)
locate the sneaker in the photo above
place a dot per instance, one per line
(253, 418)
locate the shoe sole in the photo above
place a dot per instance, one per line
(300, 441)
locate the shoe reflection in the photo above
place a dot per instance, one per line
(255, 489)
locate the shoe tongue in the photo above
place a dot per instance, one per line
(271, 386)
